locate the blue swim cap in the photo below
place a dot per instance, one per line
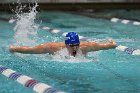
(72, 38)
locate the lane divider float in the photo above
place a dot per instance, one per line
(124, 21)
(28, 81)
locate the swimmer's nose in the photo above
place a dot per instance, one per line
(74, 48)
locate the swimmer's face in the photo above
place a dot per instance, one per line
(73, 49)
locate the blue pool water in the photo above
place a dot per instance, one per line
(109, 71)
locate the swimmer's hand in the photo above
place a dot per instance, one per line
(113, 43)
(11, 49)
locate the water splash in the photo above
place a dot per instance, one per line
(63, 56)
(26, 28)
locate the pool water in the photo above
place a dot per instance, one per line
(108, 71)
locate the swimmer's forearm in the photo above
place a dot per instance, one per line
(24, 50)
(30, 50)
(109, 45)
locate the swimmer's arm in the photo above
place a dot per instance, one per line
(40, 49)
(108, 45)
(93, 46)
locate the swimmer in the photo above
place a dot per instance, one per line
(72, 44)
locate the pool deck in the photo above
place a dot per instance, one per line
(76, 6)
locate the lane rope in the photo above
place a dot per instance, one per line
(135, 22)
(29, 82)
(124, 21)
(113, 19)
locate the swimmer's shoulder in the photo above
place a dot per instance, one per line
(87, 46)
(57, 45)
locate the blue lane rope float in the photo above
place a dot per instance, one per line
(125, 49)
(28, 81)
(128, 50)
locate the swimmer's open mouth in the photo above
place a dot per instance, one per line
(74, 53)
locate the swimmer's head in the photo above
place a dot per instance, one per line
(72, 39)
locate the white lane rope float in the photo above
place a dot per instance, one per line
(125, 49)
(28, 81)
(124, 21)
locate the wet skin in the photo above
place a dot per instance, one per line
(72, 49)
(53, 47)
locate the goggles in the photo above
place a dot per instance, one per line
(72, 45)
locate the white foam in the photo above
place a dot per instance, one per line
(63, 56)
(25, 28)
